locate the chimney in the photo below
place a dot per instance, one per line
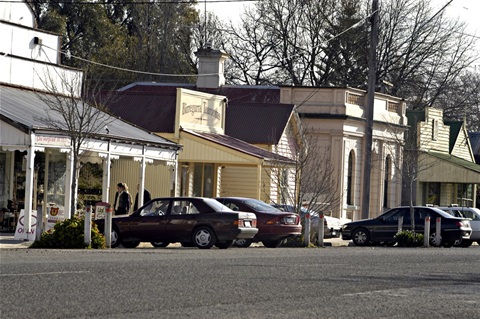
(210, 67)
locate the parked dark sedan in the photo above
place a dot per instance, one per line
(383, 228)
(193, 221)
(274, 226)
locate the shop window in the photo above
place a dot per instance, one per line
(203, 178)
(464, 195)
(432, 193)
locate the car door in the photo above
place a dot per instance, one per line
(387, 225)
(420, 214)
(148, 223)
(183, 217)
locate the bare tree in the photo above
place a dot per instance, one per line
(68, 109)
(313, 174)
(410, 161)
(421, 52)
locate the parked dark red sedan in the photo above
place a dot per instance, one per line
(192, 221)
(274, 226)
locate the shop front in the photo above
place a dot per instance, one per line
(36, 162)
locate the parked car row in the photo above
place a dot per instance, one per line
(239, 221)
(382, 229)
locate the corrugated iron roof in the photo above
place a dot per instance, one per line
(254, 113)
(25, 109)
(241, 146)
(153, 111)
(257, 123)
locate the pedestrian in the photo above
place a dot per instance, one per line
(146, 197)
(122, 200)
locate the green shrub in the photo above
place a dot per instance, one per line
(408, 238)
(70, 234)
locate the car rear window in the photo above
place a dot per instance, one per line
(216, 205)
(260, 206)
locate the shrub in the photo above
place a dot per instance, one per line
(408, 238)
(70, 234)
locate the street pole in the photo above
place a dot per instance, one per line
(372, 68)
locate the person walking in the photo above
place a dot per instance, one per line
(146, 197)
(122, 201)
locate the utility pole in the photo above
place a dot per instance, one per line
(372, 69)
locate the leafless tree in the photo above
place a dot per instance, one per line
(410, 161)
(420, 52)
(313, 174)
(69, 109)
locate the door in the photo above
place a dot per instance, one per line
(183, 217)
(148, 224)
(387, 225)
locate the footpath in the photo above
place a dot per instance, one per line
(7, 241)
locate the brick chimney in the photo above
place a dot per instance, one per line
(210, 67)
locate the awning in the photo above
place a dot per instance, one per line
(446, 168)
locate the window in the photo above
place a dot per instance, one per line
(155, 208)
(184, 207)
(432, 193)
(386, 180)
(203, 177)
(434, 129)
(350, 178)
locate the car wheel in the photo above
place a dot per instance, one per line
(433, 241)
(115, 239)
(242, 243)
(130, 244)
(160, 243)
(272, 243)
(360, 237)
(478, 242)
(203, 238)
(225, 244)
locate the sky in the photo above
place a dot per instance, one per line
(467, 10)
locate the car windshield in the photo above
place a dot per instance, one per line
(260, 206)
(216, 205)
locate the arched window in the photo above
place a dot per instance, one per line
(386, 180)
(351, 178)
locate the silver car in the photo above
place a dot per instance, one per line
(466, 212)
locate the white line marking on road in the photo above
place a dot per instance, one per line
(46, 273)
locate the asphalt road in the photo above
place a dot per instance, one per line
(331, 282)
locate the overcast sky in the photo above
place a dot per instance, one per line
(467, 10)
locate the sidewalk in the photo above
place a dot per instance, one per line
(7, 242)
